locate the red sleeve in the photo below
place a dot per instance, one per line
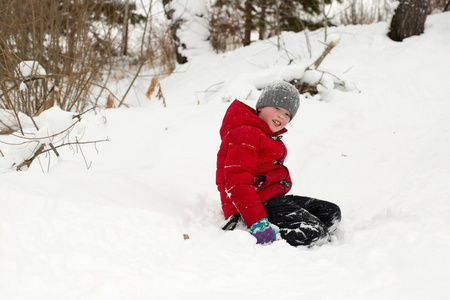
(239, 172)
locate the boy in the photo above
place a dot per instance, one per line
(251, 177)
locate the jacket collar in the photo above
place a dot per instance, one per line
(239, 114)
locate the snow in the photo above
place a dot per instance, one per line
(26, 70)
(29, 68)
(107, 220)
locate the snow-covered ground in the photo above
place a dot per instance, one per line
(379, 148)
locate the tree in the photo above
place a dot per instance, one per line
(408, 20)
(270, 17)
(176, 23)
(248, 22)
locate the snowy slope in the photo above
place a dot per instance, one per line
(378, 148)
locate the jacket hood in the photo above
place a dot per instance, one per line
(239, 114)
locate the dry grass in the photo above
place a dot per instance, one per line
(155, 86)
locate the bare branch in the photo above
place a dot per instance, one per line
(327, 50)
(26, 163)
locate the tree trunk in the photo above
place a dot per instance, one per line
(125, 29)
(408, 20)
(262, 20)
(248, 22)
(175, 26)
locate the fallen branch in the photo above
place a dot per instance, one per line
(327, 50)
(77, 143)
(41, 150)
(304, 87)
(27, 162)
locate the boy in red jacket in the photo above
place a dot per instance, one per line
(251, 177)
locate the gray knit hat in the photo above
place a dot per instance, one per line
(280, 94)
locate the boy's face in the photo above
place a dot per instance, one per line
(276, 117)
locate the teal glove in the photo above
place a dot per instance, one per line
(263, 231)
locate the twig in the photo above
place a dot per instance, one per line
(41, 150)
(305, 30)
(327, 50)
(49, 136)
(79, 115)
(78, 143)
(131, 84)
(82, 154)
(141, 65)
(28, 162)
(54, 149)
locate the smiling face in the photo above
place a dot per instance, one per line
(276, 117)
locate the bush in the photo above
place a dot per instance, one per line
(64, 39)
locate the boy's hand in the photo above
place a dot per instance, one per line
(263, 231)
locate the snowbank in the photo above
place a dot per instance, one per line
(379, 150)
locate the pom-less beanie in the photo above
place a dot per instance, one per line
(281, 94)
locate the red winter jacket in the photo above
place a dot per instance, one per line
(249, 164)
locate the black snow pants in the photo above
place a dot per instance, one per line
(303, 221)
